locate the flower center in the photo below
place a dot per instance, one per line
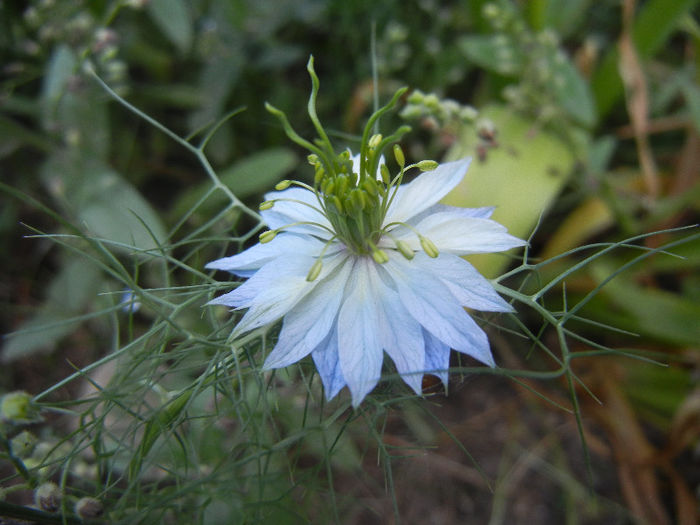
(354, 203)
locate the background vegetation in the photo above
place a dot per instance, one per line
(583, 120)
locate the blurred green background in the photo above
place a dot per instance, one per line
(582, 118)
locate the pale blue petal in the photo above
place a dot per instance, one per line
(437, 357)
(467, 285)
(308, 323)
(328, 364)
(281, 287)
(463, 235)
(480, 213)
(400, 335)
(297, 205)
(432, 304)
(359, 349)
(249, 261)
(426, 190)
(356, 165)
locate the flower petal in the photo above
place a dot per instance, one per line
(400, 335)
(468, 286)
(432, 304)
(426, 190)
(247, 262)
(277, 287)
(307, 324)
(328, 364)
(462, 235)
(359, 350)
(296, 205)
(481, 213)
(437, 357)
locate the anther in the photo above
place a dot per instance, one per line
(315, 270)
(405, 249)
(426, 165)
(267, 236)
(266, 205)
(283, 185)
(380, 256)
(428, 247)
(398, 155)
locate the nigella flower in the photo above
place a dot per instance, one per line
(359, 264)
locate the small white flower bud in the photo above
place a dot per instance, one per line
(89, 508)
(47, 496)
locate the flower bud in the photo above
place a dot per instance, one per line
(89, 508)
(283, 185)
(47, 497)
(23, 444)
(375, 140)
(17, 407)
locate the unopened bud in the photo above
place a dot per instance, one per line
(375, 140)
(47, 496)
(283, 185)
(23, 444)
(17, 407)
(89, 508)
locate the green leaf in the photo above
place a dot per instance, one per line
(572, 91)
(520, 178)
(113, 209)
(656, 313)
(173, 18)
(60, 68)
(69, 294)
(497, 53)
(565, 16)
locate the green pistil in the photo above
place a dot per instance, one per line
(355, 203)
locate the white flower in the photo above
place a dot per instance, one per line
(368, 268)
